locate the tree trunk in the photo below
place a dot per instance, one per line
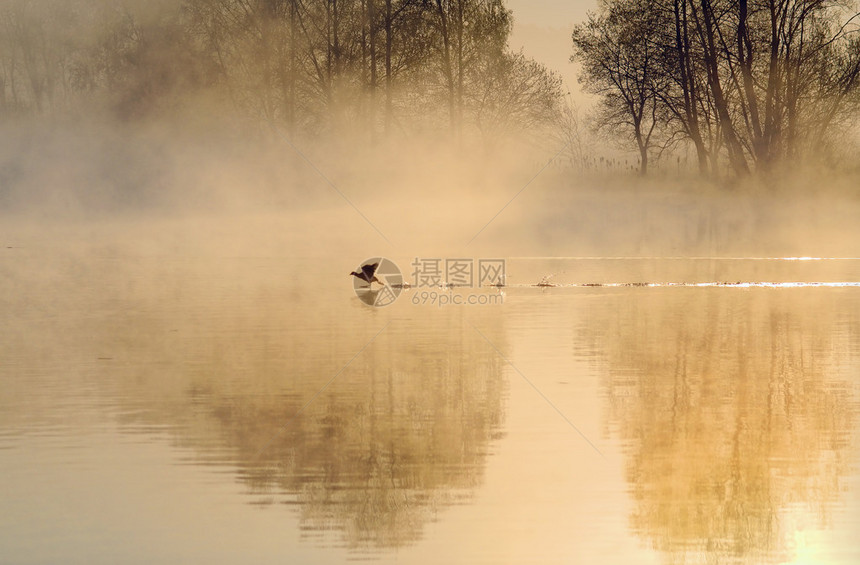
(733, 146)
(460, 71)
(446, 64)
(688, 85)
(388, 43)
(293, 74)
(772, 124)
(643, 156)
(371, 19)
(745, 54)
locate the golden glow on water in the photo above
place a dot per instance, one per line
(702, 284)
(188, 399)
(735, 416)
(687, 258)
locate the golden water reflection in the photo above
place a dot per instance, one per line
(367, 421)
(401, 437)
(736, 410)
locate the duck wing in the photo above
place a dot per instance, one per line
(369, 270)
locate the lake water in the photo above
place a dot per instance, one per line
(224, 409)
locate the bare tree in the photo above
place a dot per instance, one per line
(620, 59)
(315, 67)
(515, 94)
(739, 77)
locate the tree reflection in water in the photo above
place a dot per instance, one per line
(736, 410)
(402, 432)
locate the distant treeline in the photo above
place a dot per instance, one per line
(367, 67)
(740, 85)
(749, 85)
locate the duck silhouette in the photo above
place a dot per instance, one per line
(367, 274)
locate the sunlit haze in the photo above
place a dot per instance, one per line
(429, 281)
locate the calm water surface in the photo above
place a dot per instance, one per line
(239, 409)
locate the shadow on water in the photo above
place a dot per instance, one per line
(735, 410)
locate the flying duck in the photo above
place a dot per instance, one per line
(367, 274)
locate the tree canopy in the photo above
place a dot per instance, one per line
(370, 67)
(750, 83)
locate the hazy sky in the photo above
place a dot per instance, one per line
(542, 29)
(550, 12)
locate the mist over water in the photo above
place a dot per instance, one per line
(113, 111)
(668, 372)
